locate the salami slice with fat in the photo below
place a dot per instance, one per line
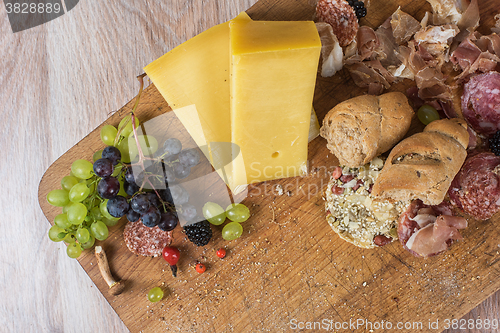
(476, 187)
(145, 241)
(481, 103)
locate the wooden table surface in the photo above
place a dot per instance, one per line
(60, 81)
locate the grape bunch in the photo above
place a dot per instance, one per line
(84, 216)
(93, 195)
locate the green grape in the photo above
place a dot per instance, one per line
(148, 143)
(232, 230)
(237, 212)
(104, 211)
(109, 222)
(155, 294)
(97, 155)
(68, 182)
(58, 198)
(127, 154)
(74, 250)
(55, 233)
(76, 213)
(79, 192)
(92, 184)
(82, 169)
(96, 213)
(99, 230)
(122, 189)
(65, 208)
(70, 238)
(118, 168)
(61, 221)
(126, 125)
(88, 244)
(427, 114)
(82, 235)
(214, 213)
(108, 134)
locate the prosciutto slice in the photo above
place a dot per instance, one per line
(429, 230)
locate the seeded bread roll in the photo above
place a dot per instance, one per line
(363, 127)
(423, 165)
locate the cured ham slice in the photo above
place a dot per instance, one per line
(331, 52)
(435, 237)
(429, 230)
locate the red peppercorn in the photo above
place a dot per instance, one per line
(171, 255)
(200, 268)
(221, 253)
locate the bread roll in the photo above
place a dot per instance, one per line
(359, 129)
(423, 165)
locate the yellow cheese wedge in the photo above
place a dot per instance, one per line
(194, 80)
(273, 75)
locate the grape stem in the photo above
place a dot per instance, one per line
(136, 138)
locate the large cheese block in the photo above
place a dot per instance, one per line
(273, 75)
(194, 80)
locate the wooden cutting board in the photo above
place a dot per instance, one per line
(289, 267)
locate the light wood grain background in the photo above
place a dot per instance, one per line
(60, 81)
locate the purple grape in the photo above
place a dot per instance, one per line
(108, 188)
(181, 171)
(168, 174)
(172, 146)
(133, 216)
(140, 203)
(130, 188)
(112, 154)
(189, 157)
(153, 199)
(151, 217)
(188, 212)
(179, 195)
(168, 221)
(166, 196)
(118, 206)
(103, 167)
(129, 175)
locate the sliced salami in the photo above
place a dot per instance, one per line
(476, 187)
(481, 103)
(145, 241)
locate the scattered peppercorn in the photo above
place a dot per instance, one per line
(200, 268)
(221, 253)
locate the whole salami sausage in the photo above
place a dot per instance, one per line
(476, 187)
(481, 103)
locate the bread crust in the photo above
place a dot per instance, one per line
(363, 127)
(423, 165)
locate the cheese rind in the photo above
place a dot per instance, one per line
(273, 75)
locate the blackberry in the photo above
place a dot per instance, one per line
(494, 143)
(359, 8)
(199, 233)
